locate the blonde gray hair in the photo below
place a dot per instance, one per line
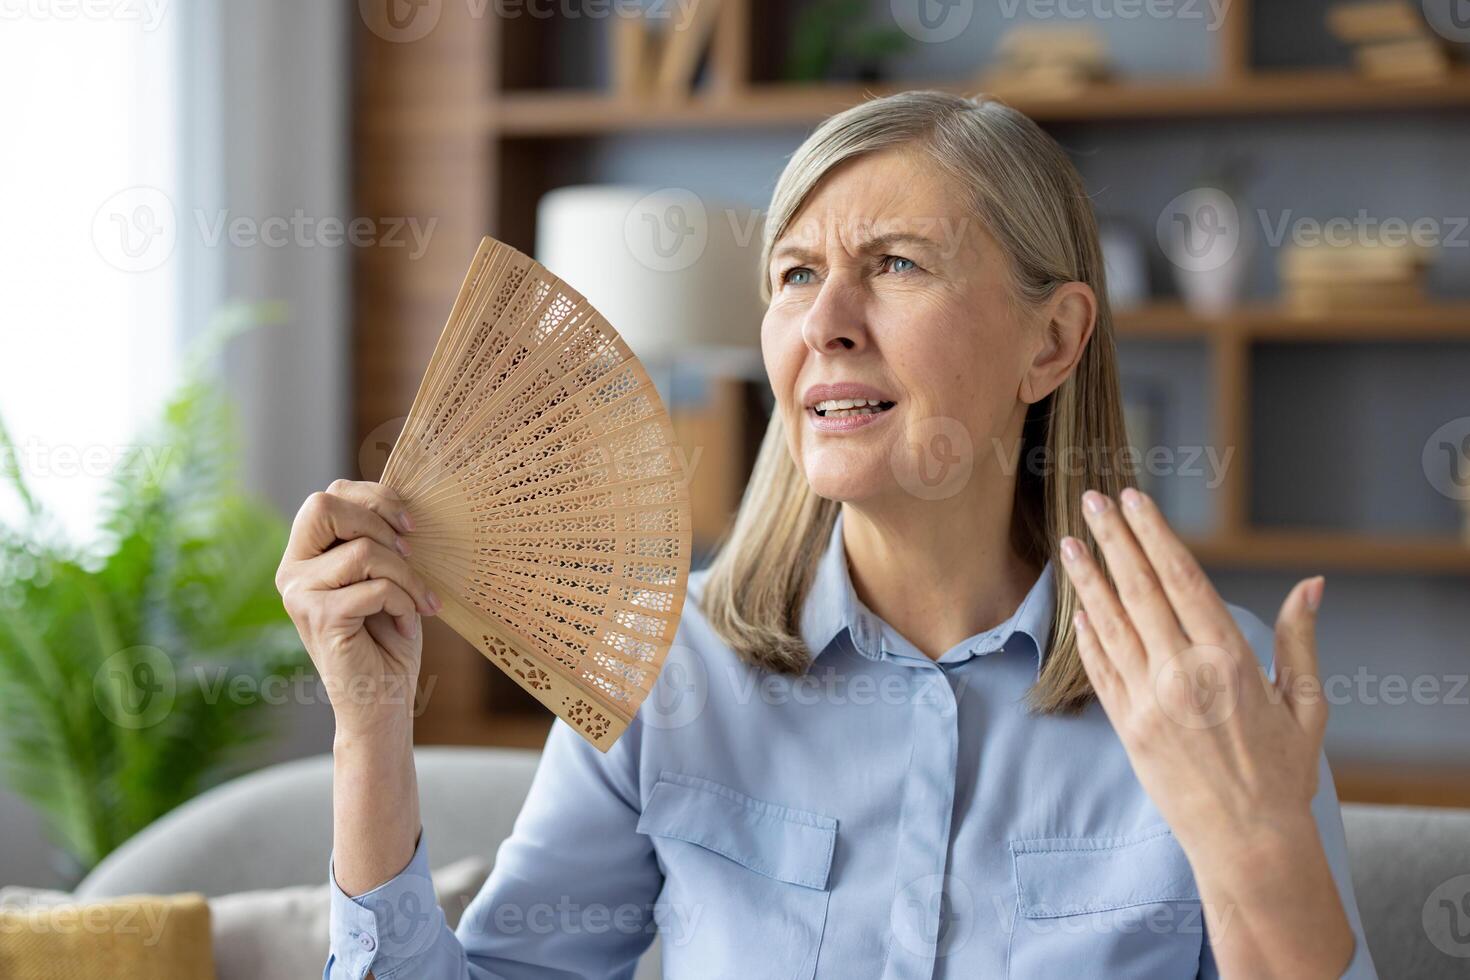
(1029, 197)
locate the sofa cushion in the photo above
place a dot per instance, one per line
(274, 934)
(140, 937)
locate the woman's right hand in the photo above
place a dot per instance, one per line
(357, 603)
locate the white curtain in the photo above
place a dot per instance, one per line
(265, 124)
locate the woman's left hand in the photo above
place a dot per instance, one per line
(1228, 757)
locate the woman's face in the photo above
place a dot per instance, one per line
(886, 288)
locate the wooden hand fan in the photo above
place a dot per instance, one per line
(551, 512)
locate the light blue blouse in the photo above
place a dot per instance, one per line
(885, 815)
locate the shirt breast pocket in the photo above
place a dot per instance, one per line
(1094, 907)
(745, 880)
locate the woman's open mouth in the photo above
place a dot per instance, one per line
(839, 408)
(847, 414)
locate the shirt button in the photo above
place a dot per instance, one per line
(367, 942)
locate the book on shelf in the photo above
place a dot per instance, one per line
(1044, 60)
(1410, 58)
(1323, 278)
(1321, 298)
(1376, 20)
(635, 56)
(660, 57)
(685, 48)
(1391, 39)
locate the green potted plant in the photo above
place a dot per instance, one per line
(830, 40)
(130, 670)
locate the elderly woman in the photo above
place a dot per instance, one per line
(952, 700)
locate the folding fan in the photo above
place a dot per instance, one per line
(551, 512)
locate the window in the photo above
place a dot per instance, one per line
(88, 168)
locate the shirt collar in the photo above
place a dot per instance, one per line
(832, 606)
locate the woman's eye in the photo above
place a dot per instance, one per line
(788, 276)
(894, 260)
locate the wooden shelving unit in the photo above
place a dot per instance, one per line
(1170, 321)
(533, 114)
(1430, 785)
(459, 127)
(1334, 551)
(1228, 339)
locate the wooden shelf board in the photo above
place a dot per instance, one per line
(1439, 321)
(1335, 550)
(1402, 785)
(573, 113)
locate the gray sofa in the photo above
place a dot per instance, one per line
(273, 829)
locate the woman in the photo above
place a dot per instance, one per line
(892, 738)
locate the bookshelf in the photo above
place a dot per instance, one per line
(461, 126)
(536, 114)
(557, 113)
(1439, 322)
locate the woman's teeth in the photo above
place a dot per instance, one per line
(842, 407)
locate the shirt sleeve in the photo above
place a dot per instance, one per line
(572, 894)
(394, 925)
(1334, 840)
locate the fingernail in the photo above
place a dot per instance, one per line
(1314, 593)
(405, 520)
(1079, 620)
(401, 545)
(1132, 499)
(434, 602)
(1094, 501)
(1070, 551)
(413, 628)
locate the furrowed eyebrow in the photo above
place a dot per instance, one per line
(879, 243)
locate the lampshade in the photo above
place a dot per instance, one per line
(673, 272)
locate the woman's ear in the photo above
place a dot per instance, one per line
(1068, 318)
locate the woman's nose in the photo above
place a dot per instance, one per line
(834, 322)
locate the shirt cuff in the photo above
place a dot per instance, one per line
(386, 928)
